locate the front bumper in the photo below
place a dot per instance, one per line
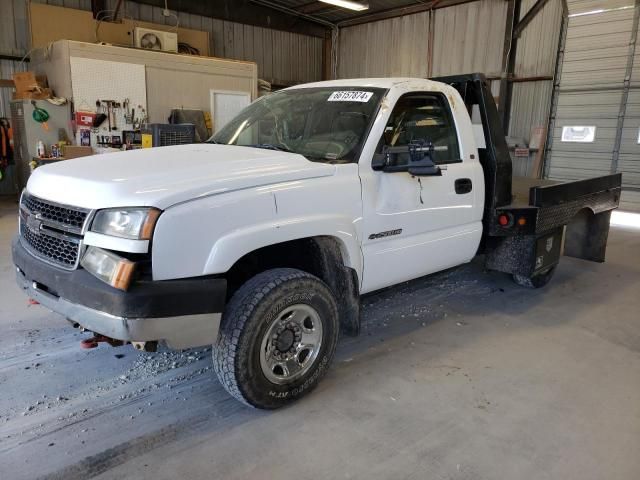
(184, 313)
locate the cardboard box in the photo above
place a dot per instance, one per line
(30, 86)
(76, 151)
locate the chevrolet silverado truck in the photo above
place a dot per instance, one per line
(261, 241)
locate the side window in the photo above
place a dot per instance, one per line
(423, 117)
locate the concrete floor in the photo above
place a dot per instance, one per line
(462, 375)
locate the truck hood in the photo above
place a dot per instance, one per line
(161, 177)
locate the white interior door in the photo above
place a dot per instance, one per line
(225, 105)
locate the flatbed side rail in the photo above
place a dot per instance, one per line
(551, 195)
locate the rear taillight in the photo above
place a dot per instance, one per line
(505, 219)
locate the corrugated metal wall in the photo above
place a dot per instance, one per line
(536, 55)
(469, 38)
(599, 86)
(466, 38)
(282, 57)
(394, 47)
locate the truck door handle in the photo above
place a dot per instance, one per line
(463, 185)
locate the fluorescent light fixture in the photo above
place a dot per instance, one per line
(348, 4)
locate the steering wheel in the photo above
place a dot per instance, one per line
(327, 147)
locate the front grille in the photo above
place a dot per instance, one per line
(62, 252)
(51, 231)
(69, 218)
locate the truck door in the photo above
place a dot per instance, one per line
(416, 225)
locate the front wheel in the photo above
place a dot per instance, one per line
(277, 338)
(537, 281)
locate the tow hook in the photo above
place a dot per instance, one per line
(151, 346)
(96, 339)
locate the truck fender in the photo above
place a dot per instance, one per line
(229, 248)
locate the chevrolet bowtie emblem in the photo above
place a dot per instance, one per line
(34, 224)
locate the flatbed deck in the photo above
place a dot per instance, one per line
(521, 186)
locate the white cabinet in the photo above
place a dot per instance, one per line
(172, 80)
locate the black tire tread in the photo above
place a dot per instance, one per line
(237, 313)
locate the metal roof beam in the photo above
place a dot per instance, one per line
(258, 13)
(530, 15)
(401, 11)
(313, 7)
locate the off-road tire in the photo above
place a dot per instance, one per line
(537, 281)
(247, 317)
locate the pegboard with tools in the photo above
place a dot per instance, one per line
(109, 98)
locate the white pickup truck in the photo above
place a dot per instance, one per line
(261, 241)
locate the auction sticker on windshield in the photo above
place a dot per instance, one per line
(350, 96)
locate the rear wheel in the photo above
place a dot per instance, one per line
(537, 281)
(277, 338)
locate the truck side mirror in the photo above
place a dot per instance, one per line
(422, 165)
(424, 169)
(421, 159)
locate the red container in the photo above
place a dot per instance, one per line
(85, 119)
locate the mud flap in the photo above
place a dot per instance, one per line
(587, 236)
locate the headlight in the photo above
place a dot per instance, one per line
(108, 267)
(132, 223)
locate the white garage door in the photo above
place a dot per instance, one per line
(596, 121)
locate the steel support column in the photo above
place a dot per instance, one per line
(508, 63)
(625, 92)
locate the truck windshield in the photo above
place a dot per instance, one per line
(323, 124)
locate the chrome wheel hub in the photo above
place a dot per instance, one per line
(291, 344)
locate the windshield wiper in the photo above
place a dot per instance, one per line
(270, 146)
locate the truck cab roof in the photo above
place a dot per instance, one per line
(403, 82)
